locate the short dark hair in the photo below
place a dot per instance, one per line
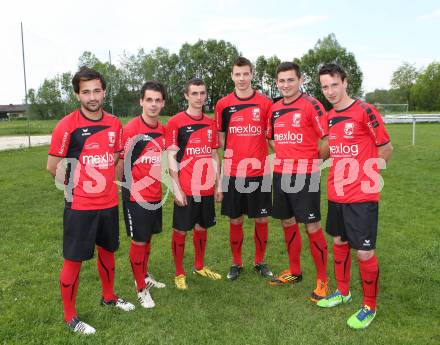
(333, 69)
(241, 61)
(193, 81)
(85, 74)
(288, 66)
(153, 85)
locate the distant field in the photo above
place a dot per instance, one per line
(247, 311)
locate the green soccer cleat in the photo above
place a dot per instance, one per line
(362, 318)
(333, 300)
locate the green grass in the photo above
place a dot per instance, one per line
(247, 311)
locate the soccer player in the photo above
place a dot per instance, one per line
(143, 140)
(296, 124)
(90, 141)
(194, 167)
(241, 119)
(359, 146)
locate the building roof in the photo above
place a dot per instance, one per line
(13, 108)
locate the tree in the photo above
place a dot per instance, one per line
(329, 50)
(403, 80)
(426, 91)
(264, 75)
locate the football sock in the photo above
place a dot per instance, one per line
(199, 241)
(369, 270)
(69, 279)
(292, 237)
(342, 261)
(318, 248)
(178, 247)
(146, 257)
(106, 269)
(260, 240)
(236, 242)
(137, 254)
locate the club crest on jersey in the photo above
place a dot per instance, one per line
(348, 130)
(210, 135)
(111, 139)
(256, 114)
(296, 120)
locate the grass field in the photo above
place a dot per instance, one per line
(247, 311)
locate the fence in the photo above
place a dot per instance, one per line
(414, 118)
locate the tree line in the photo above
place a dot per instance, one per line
(211, 60)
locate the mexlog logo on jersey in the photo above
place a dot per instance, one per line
(99, 161)
(248, 130)
(151, 159)
(198, 151)
(289, 137)
(344, 151)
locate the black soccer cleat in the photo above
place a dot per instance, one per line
(234, 272)
(263, 270)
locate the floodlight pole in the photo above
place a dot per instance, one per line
(25, 85)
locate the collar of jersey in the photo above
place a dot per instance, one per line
(146, 124)
(247, 98)
(88, 119)
(193, 118)
(346, 108)
(300, 95)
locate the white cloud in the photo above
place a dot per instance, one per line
(429, 16)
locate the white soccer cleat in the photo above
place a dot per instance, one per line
(144, 298)
(151, 282)
(119, 303)
(77, 326)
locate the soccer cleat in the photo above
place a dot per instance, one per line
(362, 318)
(263, 270)
(180, 282)
(285, 278)
(77, 326)
(321, 290)
(119, 303)
(151, 282)
(145, 299)
(206, 272)
(234, 272)
(336, 298)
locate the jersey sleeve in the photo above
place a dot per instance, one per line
(319, 119)
(118, 146)
(60, 140)
(126, 141)
(171, 136)
(269, 125)
(215, 143)
(374, 121)
(266, 111)
(218, 116)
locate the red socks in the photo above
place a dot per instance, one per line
(342, 261)
(236, 242)
(260, 240)
(137, 261)
(147, 257)
(292, 237)
(369, 270)
(178, 247)
(106, 269)
(318, 248)
(69, 279)
(199, 241)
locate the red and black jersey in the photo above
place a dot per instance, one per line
(194, 138)
(244, 123)
(143, 147)
(354, 136)
(90, 147)
(296, 128)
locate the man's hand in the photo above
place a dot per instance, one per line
(180, 197)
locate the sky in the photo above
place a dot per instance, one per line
(381, 34)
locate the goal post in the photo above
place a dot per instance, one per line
(388, 108)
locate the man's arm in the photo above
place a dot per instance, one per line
(324, 151)
(218, 193)
(385, 151)
(271, 145)
(119, 169)
(221, 139)
(52, 164)
(179, 195)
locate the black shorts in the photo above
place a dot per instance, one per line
(141, 221)
(300, 200)
(247, 195)
(85, 228)
(355, 223)
(200, 210)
